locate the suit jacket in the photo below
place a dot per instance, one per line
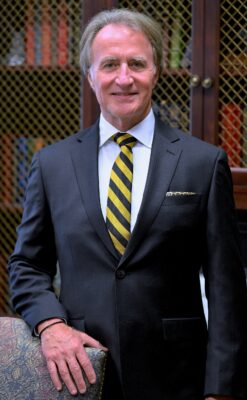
(145, 307)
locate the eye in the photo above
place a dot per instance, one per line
(109, 66)
(137, 64)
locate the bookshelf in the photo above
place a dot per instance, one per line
(41, 99)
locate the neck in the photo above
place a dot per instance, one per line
(124, 124)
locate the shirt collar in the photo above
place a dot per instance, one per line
(143, 132)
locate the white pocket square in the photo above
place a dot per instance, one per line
(169, 194)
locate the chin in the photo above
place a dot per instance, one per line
(127, 112)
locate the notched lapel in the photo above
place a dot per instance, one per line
(166, 150)
(85, 161)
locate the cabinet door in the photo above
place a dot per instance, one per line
(233, 81)
(205, 70)
(233, 93)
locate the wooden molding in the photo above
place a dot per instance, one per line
(239, 176)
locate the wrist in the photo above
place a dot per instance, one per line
(45, 324)
(49, 326)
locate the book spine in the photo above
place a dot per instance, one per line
(54, 14)
(29, 35)
(176, 42)
(37, 33)
(16, 55)
(165, 44)
(231, 132)
(46, 34)
(74, 25)
(62, 35)
(187, 57)
(71, 32)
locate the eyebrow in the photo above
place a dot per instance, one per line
(112, 59)
(138, 58)
(108, 59)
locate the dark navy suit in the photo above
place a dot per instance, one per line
(146, 307)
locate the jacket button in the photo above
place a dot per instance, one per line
(120, 274)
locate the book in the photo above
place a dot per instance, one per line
(51, 34)
(62, 34)
(231, 123)
(54, 11)
(16, 55)
(37, 32)
(176, 41)
(187, 56)
(29, 35)
(165, 43)
(46, 34)
(74, 24)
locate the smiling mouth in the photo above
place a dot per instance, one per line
(125, 94)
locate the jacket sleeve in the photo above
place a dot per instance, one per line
(226, 368)
(32, 266)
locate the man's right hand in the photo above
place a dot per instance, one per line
(63, 349)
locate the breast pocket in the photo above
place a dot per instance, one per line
(180, 200)
(179, 213)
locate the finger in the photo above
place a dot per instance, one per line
(87, 366)
(89, 341)
(66, 377)
(76, 372)
(52, 368)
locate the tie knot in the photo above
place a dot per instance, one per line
(125, 139)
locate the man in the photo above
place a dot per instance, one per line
(137, 291)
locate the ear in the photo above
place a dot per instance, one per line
(90, 79)
(156, 77)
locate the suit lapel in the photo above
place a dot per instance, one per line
(164, 158)
(85, 161)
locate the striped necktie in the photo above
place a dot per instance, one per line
(119, 194)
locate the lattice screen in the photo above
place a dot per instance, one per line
(233, 81)
(172, 94)
(40, 102)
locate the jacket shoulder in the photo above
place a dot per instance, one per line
(188, 142)
(64, 145)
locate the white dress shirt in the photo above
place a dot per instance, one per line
(108, 152)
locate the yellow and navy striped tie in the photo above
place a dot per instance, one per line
(119, 194)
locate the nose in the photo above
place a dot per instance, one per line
(124, 77)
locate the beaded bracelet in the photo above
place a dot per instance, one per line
(48, 326)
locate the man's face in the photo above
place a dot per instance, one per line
(122, 74)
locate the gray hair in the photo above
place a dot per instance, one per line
(132, 19)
